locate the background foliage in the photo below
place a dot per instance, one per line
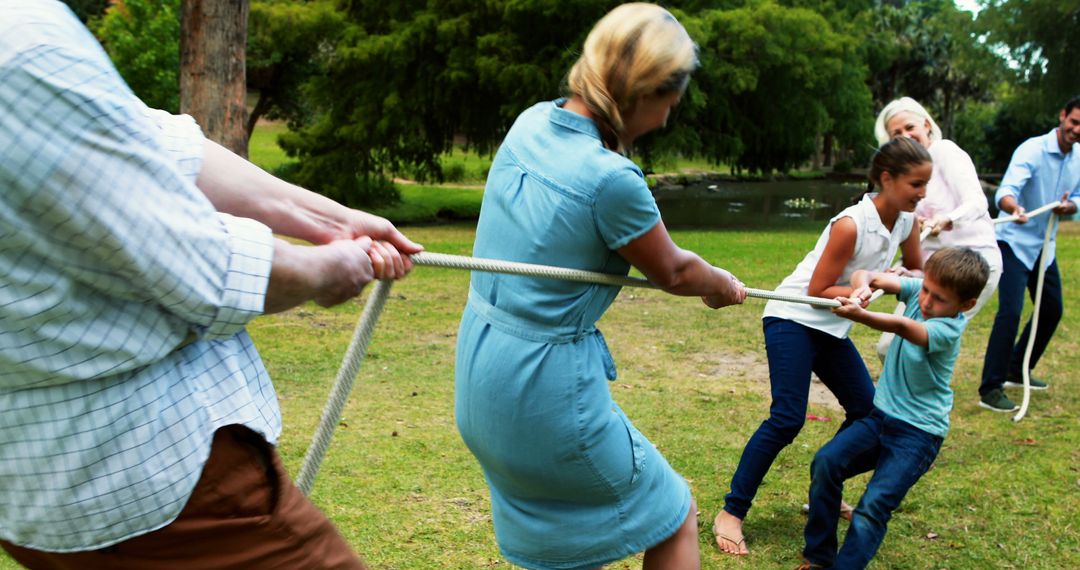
(373, 89)
(143, 39)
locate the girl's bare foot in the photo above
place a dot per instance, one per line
(729, 537)
(846, 510)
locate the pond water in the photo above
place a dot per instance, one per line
(711, 205)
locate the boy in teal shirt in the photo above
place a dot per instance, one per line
(902, 435)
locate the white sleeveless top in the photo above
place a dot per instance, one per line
(875, 248)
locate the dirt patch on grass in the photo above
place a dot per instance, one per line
(753, 370)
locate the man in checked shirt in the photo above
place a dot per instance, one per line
(137, 421)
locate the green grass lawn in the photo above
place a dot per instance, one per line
(430, 204)
(403, 489)
(460, 165)
(263, 149)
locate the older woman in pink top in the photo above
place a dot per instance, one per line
(955, 207)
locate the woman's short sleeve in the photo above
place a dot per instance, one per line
(624, 208)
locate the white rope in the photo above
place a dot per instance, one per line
(1038, 294)
(1036, 212)
(552, 272)
(354, 355)
(339, 394)
(1043, 263)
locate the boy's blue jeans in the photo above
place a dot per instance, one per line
(898, 452)
(794, 352)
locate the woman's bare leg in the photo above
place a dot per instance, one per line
(680, 551)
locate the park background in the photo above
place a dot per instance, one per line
(360, 99)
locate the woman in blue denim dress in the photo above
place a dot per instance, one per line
(573, 483)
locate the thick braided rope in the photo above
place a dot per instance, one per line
(551, 272)
(339, 394)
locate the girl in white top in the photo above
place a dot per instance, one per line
(801, 339)
(955, 208)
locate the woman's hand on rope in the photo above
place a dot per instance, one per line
(937, 224)
(733, 291)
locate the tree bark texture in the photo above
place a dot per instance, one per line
(213, 40)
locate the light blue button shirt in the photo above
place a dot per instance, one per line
(110, 261)
(1039, 173)
(914, 382)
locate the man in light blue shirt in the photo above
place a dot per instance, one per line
(1043, 169)
(136, 417)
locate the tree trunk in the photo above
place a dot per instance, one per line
(262, 105)
(827, 148)
(213, 40)
(816, 161)
(947, 120)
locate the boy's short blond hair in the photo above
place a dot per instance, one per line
(960, 270)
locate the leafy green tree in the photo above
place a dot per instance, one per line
(933, 52)
(289, 42)
(967, 71)
(1041, 39)
(772, 78)
(972, 128)
(409, 76)
(87, 9)
(143, 40)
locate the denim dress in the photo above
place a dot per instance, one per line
(573, 483)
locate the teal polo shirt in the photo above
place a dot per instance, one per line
(914, 382)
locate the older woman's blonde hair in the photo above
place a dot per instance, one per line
(637, 49)
(896, 107)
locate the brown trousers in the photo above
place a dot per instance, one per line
(245, 512)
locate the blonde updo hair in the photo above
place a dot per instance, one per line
(637, 49)
(898, 106)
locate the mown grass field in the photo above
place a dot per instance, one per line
(403, 489)
(401, 486)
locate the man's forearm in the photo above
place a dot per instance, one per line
(240, 188)
(1008, 204)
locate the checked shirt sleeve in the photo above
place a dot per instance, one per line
(113, 257)
(252, 250)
